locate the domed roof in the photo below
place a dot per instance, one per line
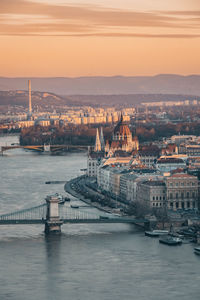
(122, 128)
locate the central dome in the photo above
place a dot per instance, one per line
(122, 129)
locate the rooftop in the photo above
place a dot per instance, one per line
(154, 183)
(182, 175)
(169, 160)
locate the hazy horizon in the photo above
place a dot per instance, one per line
(93, 76)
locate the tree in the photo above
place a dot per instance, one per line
(161, 215)
(139, 209)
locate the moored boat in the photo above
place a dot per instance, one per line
(74, 206)
(156, 233)
(197, 250)
(151, 234)
(170, 241)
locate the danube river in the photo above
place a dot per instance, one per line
(93, 262)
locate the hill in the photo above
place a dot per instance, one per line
(159, 84)
(44, 99)
(38, 98)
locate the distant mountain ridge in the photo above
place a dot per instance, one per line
(115, 85)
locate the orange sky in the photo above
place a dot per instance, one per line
(86, 38)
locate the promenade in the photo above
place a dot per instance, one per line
(73, 188)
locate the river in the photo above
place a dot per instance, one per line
(93, 262)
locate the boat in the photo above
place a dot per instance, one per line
(74, 206)
(197, 250)
(170, 241)
(151, 234)
(156, 233)
(161, 231)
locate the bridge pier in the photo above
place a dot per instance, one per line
(53, 222)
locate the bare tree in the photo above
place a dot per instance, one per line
(139, 209)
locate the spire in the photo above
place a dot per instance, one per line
(121, 120)
(97, 147)
(102, 139)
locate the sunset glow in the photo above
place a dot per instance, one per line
(80, 38)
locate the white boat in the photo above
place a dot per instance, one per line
(170, 241)
(197, 250)
(161, 231)
(156, 233)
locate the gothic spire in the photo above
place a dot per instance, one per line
(102, 139)
(97, 147)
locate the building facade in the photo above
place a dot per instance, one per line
(153, 193)
(182, 191)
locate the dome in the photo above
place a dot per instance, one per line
(122, 128)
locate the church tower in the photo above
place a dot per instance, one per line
(102, 140)
(97, 147)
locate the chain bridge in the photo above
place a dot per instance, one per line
(53, 214)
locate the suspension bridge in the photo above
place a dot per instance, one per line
(53, 215)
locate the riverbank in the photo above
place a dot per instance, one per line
(69, 188)
(83, 189)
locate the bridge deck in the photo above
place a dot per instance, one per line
(74, 221)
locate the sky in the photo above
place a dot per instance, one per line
(99, 38)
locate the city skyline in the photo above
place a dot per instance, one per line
(92, 38)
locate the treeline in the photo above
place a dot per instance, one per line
(151, 132)
(65, 135)
(85, 134)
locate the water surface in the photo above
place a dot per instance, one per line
(93, 262)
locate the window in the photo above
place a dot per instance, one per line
(176, 195)
(193, 194)
(182, 195)
(188, 204)
(182, 205)
(153, 198)
(171, 204)
(163, 197)
(176, 204)
(171, 196)
(156, 197)
(188, 195)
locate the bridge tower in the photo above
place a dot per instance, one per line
(53, 222)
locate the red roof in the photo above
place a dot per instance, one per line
(182, 175)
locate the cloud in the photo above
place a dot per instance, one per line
(89, 20)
